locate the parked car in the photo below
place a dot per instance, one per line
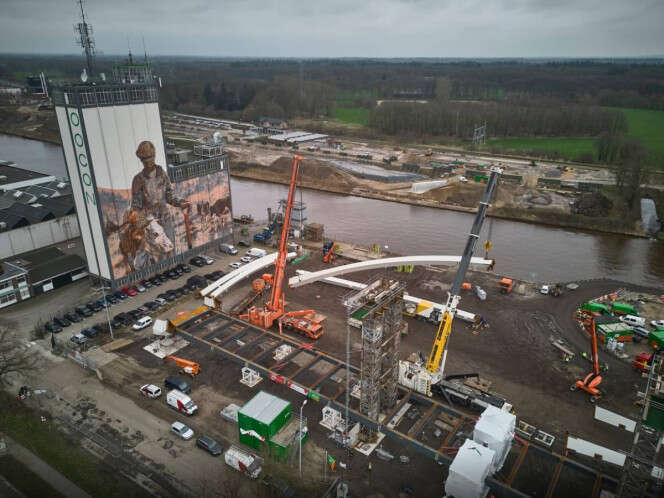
(181, 430)
(62, 321)
(641, 331)
(151, 305)
(658, 324)
(140, 288)
(210, 276)
(185, 268)
(169, 296)
(89, 332)
(129, 290)
(52, 327)
(156, 281)
(636, 321)
(117, 323)
(151, 391)
(143, 309)
(84, 311)
(179, 270)
(146, 321)
(134, 315)
(197, 261)
(121, 295)
(103, 302)
(189, 288)
(146, 283)
(208, 260)
(246, 259)
(94, 306)
(164, 276)
(227, 248)
(235, 265)
(79, 339)
(210, 445)
(544, 289)
(112, 299)
(242, 243)
(173, 274)
(73, 317)
(160, 300)
(175, 382)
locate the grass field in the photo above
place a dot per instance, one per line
(649, 127)
(351, 115)
(567, 147)
(23, 479)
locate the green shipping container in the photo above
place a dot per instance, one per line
(624, 309)
(656, 339)
(596, 307)
(261, 418)
(655, 417)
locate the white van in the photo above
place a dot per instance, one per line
(636, 321)
(142, 323)
(228, 248)
(255, 252)
(181, 402)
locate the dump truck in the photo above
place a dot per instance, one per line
(505, 285)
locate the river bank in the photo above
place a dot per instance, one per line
(258, 172)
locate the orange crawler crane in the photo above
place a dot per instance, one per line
(189, 367)
(274, 310)
(591, 382)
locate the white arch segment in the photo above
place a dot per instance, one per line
(231, 278)
(300, 280)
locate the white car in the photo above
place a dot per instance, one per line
(544, 289)
(140, 288)
(208, 260)
(246, 259)
(146, 321)
(151, 391)
(235, 265)
(657, 323)
(463, 179)
(182, 430)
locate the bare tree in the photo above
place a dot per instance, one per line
(15, 356)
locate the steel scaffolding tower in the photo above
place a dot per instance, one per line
(392, 319)
(643, 473)
(370, 373)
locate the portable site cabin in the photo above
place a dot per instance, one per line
(266, 422)
(621, 332)
(596, 307)
(624, 309)
(656, 339)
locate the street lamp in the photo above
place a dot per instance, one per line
(301, 407)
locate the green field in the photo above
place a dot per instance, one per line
(23, 479)
(567, 147)
(351, 115)
(649, 127)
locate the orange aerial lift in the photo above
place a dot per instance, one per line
(328, 257)
(274, 310)
(591, 382)
(189, 367)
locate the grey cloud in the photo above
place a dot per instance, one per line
(317, 28)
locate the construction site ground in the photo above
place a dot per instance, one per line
(514, 353)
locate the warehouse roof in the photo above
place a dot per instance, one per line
(59, 206)
(12, 220)
(282, 137)
(310, 137)
(12, 174)
(264, 407)
(47, 263)
(34, 213)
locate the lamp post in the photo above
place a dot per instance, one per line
(301, 407)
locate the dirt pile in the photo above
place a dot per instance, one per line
(593, 204)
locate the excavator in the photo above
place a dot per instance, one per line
(591, 381)
(189, 367)
(264, 316)
(419, 377)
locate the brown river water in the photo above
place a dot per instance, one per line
(522, 250)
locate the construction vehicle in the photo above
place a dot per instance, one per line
(274, 310)
(505, 285)
(642, 362)
(189, 367)
(263, 237)
(328, 251)
(417, 375)
(591, 381)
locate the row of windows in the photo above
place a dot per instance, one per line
(93, 96)
(193, 170)
(8, 299)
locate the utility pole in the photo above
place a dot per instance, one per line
(300, 435)
(85, 39)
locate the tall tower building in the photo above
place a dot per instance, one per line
(138, 214)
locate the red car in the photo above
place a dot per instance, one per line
(130, 291)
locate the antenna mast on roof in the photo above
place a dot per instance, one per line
(83, 30)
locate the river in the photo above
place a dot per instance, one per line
(522, 250)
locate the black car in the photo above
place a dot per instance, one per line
(146, 283)
(120, 295)
(90, 332)
(53, 327)
(155, 281)
(242, 243)
(134, 314)
(151, 305)
(164, 276)
(185, 268)
(73, 317)
(170, 296)
(94, 306)
(177, 292)
(112, 299)
(83, 311)
(210, 276)
(101, 327)
(189, 288)
(210, 445)
(197, 261)
(103, 302)
(179, 270)
(62, 321)
(116, 323)
(143, 309)
(163, 295)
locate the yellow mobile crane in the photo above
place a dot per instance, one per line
(421, 377)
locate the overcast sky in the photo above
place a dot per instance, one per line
(343, 28)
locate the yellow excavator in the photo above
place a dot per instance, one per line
(421, 377)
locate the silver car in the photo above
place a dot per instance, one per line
(182, 430)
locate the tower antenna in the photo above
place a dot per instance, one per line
(84, 38)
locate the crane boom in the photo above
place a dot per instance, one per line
(445, 328)
(276, 298)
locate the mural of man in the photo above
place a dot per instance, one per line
(151, 191)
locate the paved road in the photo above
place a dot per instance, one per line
(44, 470)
